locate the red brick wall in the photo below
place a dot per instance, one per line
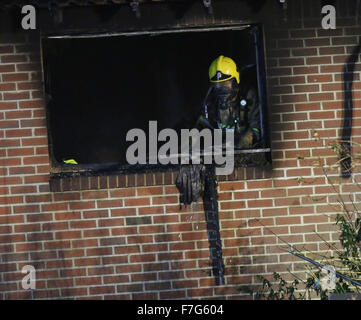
(136, 242)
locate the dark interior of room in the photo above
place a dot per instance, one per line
(100, 88)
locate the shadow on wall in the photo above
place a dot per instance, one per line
(348, 79)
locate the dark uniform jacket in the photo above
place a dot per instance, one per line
(243, 116)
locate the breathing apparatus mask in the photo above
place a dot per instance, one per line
(225, 94)
(222, 100)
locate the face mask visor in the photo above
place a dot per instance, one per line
(225, 93)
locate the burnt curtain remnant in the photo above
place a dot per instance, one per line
(348, 78)
(194, 181)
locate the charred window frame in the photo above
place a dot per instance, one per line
(60, 125)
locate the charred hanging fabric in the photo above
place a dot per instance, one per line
(192, 182)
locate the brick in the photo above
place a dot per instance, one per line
(261, 222)
(170, 256)
(9, 58)
(288, 220)
(59, 283)
(87, 262)
(28, 85)
(79, 272)
(100, 270)
(194, 236)
(11, 219)
(33, 123)
(259, 203)
(305, 52)
(344, 40)
(81, 205)
(305, 70)
(320, 78)
(88, 281)
(331, 50)
(306, 88)
(332, 87)
(31, 104)
(7, 86)
(164, 200)
(102, 290)
(111, 222)
(151, 229)
(318, 42)
(67, 215)
(293, 80)
(7, 68)
(9, 124)
(274, 212)
(281, 90)
(39, 217)
(83, 224)
(14, 77)
(54, 207)
(262, 184)
(169, 237)
(124, 231)
(17, 295)
(318, 60)
(310, 124)
(109, 203)
(68, 234)
(34, 141)
(112, 241)
(294, 98)
(94, 194)
(279, 72)
(71, 292)
(232, 205)
(138, 220)
(129, 268)
(96, 233)
(290, 43)
(7, 105)
(17, 96)
(246, 195)
(40, 236)
(291, 61)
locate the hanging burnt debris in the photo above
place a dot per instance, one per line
(196, 181)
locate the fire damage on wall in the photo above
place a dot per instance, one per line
(102, 86)
(99, 86)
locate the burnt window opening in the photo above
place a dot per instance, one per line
(98, 88)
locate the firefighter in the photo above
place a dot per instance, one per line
(231, 104)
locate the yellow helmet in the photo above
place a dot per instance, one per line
(223, 69)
